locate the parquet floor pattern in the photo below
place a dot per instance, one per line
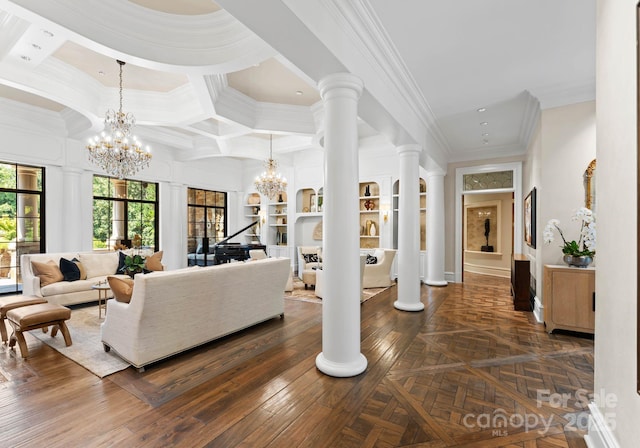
(468, 371)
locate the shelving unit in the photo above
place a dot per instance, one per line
(278, 223)
(369, 215)
(252, 212)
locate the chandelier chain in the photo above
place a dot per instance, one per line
(115, 150)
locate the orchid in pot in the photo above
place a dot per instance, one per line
(576, 253)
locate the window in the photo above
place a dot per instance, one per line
(21, 220)
(206, 220)
(122, 209)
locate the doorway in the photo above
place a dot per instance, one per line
(483, 181)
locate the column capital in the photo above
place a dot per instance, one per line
(340, 81)
(409, 148)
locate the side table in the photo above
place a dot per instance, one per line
(103, 292)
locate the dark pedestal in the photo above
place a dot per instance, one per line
(520, 282)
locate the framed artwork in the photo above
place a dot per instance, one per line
(530, 218)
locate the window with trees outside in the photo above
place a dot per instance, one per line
(21, 220)
(123, 209)
(206, 223)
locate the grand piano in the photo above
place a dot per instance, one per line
(225, 252)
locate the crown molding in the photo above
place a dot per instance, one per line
(32, 119)
(562, 95)
(529, 120)
(12, 29)
(489, 152)
(371, 38)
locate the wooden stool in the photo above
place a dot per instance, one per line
(38, 316)
(9, 303)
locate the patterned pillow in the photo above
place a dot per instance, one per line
(371, 259)
(310, 258)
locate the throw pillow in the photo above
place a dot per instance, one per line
(83, 273)
(122, 288)
(153, 262)
(310, 258)
(99, 264)
(48, 272)
(371, 259)
(121, 257)
(70, 270)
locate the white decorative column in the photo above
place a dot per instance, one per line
(409, 230)
(175, 252)
(340, 354)
(72, 222)
(435, 229)
(117, 218)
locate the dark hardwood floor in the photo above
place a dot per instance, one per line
(468, 371)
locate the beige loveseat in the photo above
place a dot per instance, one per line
(96, 266)
(172, 311)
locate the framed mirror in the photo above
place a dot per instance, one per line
(590, 186)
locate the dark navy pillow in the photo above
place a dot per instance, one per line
(121, 265)
(70, 270)
(371, 259)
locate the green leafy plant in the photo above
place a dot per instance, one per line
(133, 264)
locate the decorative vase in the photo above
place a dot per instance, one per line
(280, 198)
(367, 192)
(578, 262)
(372, 230)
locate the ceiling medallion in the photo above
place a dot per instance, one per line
(115, 150)
(270, 183)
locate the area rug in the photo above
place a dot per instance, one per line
(86, 349)
(309, 295)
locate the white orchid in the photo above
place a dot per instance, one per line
(586, 244)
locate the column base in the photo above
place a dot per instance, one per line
(341, 370)
(408, 306)
(436, 282)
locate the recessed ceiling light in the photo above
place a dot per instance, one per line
(101, 73)
(36, 46)
(484, 123)
(486, 134)
(47, 33)
(482, 109)
(25, 58)
(485, 142)
(299, 92)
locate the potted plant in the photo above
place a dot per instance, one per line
(133, 264)
(576, 253)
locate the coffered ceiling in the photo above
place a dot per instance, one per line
(214, 76)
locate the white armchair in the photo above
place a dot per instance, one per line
(379, 275)
(304, 266)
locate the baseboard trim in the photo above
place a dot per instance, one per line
(600, 435)
(450, 277)
(538, 310)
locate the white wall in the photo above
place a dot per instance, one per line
(568, 145)
(616, 347)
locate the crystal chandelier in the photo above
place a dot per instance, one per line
(270, 183)
(115, 150)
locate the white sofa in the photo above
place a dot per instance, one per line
(172, 311)
(96, 264)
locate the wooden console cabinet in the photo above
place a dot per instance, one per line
(569, 298)
(520, 272)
